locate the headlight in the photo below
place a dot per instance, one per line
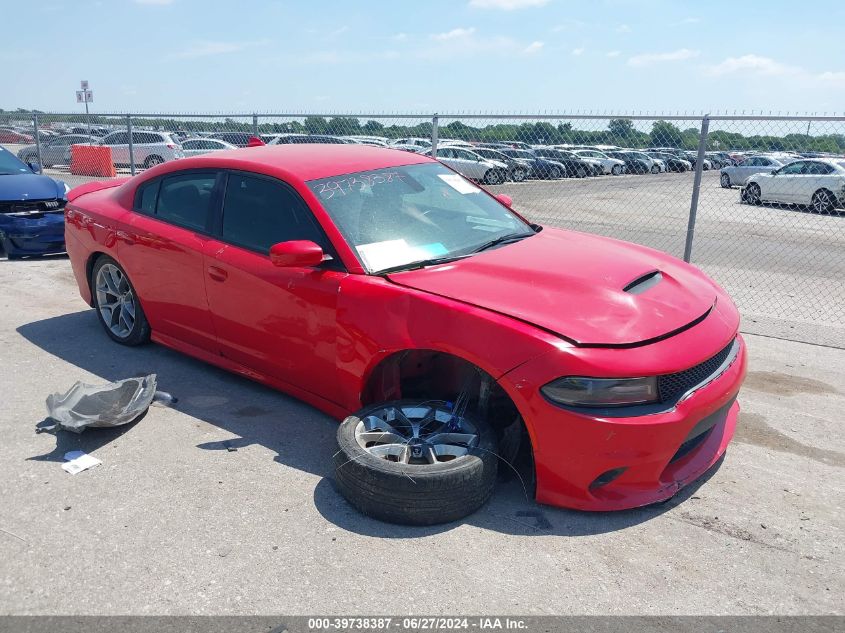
(601, 392)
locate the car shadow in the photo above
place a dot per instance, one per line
(255, 414)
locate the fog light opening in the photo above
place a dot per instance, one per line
(606, 478)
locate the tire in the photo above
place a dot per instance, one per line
(413, 493)
(108, 279)
(655, 169)
(725, 181)
(493, 177)
(152, 161)
(518, 175)
(616, 170)
(752, 193)
(555, 173)
(581, 172)
(823, 202)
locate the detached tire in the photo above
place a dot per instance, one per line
(418, 492)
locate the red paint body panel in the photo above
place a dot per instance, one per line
(527, 313)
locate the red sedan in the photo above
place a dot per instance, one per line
(451, 333)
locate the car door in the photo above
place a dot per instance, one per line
(161, 247)
(446, 155)
(119, 144)
(818, 176)
(786, 184)
(280, 321)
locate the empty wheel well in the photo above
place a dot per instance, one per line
(429, 374)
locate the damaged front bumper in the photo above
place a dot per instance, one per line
(33, 233)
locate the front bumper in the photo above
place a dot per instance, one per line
(21, 235)
(578, 457)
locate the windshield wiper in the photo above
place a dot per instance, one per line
(503, 239)
(421, 264)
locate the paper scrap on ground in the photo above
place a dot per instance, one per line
(458, 183)
(79, 461)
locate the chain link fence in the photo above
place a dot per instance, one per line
(756, 202)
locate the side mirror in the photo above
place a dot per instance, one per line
(34, 167)
(296, 253)
(505, 200)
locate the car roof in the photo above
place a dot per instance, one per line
(306, 161)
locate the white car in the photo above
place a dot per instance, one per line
(609, 165)
(818, 183)
(419, 142)
(197, 146)
(472, 165)
(148, 148)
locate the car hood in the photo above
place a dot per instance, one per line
(591, 290)
(29, 187)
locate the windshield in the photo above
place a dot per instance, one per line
(519, 153)
(404, 215)
(10, 164)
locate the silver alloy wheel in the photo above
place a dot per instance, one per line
(726, 181)
(822, 202)
(753, 193)
(115, 300)
(616, 170)
(416, 434)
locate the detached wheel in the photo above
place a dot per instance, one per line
(822, 201)
(117, 305)
(415, 462)
(725, 181)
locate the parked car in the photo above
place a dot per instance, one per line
(148, 148)
(618, 364)
(31, 209)
(287, 139)
(419, 142)
(737, 175)
(633, 164)
(517, 171)
(672, 162)
(197, 146)
(56, 151)
(692, 157)
(472, 165)
(576, 166)
(540, 167)
(609, 165)
(238, 139)
(8, 135)
(817, 183)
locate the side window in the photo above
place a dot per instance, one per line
(818, 169)
(794, 168)
(193, 144)
(118, 138)
(258, 213)
(756, 162)
(145, 197)
(185, 199)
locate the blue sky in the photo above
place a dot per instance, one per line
(438, 55)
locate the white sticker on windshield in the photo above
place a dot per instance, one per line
(380, 255)
(458, 183)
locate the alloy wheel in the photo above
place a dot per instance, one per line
(115, 300)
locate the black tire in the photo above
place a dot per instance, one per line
(414, 494)
(555, 173)
(616, 170)
(152, 161)
(140, 332)
(655, 169)
(725, 181)
(752, 193)
(493, 177)
(581, 172)
(518, 175)
(823, 202)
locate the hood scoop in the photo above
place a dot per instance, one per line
(644, 282)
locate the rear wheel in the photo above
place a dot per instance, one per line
(752, 193)
(555, 173)
(415, 462)
(823, 201)
(581, 172)
(152, 161)
(117, 305)
(493, 177)
(725, 181)
(655, 169)
(616, 170)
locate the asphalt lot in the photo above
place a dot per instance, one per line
(173, 522)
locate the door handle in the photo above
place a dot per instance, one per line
(217, 273)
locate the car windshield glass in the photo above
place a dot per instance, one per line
(9, 164)
(401, 216)
(518, 153)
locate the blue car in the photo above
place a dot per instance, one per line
(32, 207)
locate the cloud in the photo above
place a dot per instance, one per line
(578, 51)
(623, 28)
(647, 59)
(612, 53)
(755, 64)
(506, 5)
(454, 34)
(206, 48)
(533, 47)
(159, 3)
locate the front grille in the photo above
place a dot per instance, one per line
(673, 386)
(31, 206)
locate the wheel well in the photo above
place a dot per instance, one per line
(89, 268)
(430, 374)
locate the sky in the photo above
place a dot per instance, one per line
(471, 56)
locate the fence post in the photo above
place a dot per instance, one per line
(37, 141)
(131, 144)
(434, 125)
(696, 186)
(255, 125)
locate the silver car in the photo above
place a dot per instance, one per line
(197, 146)
(148, 148)
(56, 151)
(738, 174)
(472, 165)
